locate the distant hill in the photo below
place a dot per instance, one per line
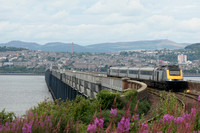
(195, 46)
(53, 46)
(62, 47)
(20, 44)
(136, 45)
(101, 47)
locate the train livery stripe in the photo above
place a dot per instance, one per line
(174, 77)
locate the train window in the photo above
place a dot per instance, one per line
(114, 71)
(123, 71)
(133, 72)
(146, 72)
(174, 73)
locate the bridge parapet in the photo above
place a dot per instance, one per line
(88, 84)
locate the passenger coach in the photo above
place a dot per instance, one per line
(165, 77)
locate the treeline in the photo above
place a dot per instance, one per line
(22, 69)
(4, 49)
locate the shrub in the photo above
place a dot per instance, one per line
(4, 117)
(129, 96)
(144, 106)
(83, 109)
(106, 98)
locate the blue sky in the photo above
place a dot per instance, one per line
(87, 22)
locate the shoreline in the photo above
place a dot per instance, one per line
(31, 74)
(191, 75)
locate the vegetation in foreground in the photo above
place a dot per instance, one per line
(102, 115)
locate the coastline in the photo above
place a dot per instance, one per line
(191, 75)
(31, 74)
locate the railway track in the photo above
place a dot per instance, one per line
(190, 95)
(158, 94)
(190, 99)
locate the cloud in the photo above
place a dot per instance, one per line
(96, 21)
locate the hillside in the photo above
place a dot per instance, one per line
(136, 45)
(195, 46)
(195, 55)
(101, 47)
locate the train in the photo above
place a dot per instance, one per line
(168, 77)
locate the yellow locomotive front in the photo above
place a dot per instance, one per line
(174, 78)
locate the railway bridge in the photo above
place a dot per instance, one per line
(67, 84)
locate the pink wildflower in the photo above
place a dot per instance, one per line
(193, 113)
(29, 126)
(91, 128)
(199, 98)
(135, 117)
(97, 122)
(179, 120)
(114, 111)
(123, 125)
(168, 118)
(24, 130)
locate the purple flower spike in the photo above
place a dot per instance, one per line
(179, 120)
(168, 118)
(123, 125)
(91, 128)
(24, 130)
(144, 126)
(114, 111)
(135, 117)
(29, 127)
(199, 98)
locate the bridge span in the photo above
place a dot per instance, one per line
(67, 84)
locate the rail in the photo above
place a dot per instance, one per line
(157, 93)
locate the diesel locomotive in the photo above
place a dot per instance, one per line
(168, 77)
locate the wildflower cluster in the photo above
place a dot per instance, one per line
(124, 123)
(97, 125)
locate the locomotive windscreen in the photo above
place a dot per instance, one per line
(174, 70)
(175, 73)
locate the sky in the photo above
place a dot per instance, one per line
(87, 22)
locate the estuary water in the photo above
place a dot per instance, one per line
(192, 78)
(18, 93)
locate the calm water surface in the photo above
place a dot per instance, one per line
(18, 93)
(192, 78)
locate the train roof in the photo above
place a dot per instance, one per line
(118, 67)
(147, 68)
(133, 68)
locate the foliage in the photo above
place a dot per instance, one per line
(106, 98)
(4, 49)
(143, 107)
(21, 69)
(170, 105)
(58, 117)
(4, 117)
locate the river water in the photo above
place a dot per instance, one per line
(192, 78)
(18, 93)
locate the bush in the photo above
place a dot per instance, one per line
(129, 96)
(106, 98)
(83, 109)
(4, 117)
(143, 107)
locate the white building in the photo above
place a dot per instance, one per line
(182, 59)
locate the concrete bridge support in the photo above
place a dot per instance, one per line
(68, 84)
